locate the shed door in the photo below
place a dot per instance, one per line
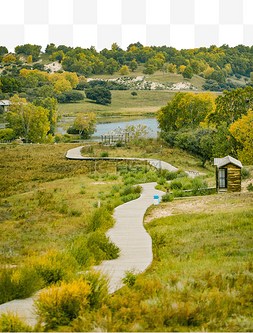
(222, 178)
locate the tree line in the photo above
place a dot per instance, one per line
(213, 63)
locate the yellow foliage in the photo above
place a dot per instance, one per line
(62, 303)
(72, 78)
(172, 68)
(54, 266)
(9, 58)
(124, 70)
(242, 131)
(181, 69)
(208, 72)
(30, 59)
(61, 86)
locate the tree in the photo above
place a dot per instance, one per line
(242, 131)
(171, 68)
(99, 95)
(184, 110)
(70, 97)
(138, 131)
(3, 50)
(27, 120)
(124, 70)
(188, 72)
(133, 65)
(111, 66)
(62, 85)
(9, 85)
(84, 124)
(134, 93)
(51, 105)
(9, 58)
(29, 59)
(150, 67)
(231, 106)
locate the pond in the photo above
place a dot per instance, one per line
(151, 123)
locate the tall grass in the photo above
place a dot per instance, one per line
(201, 279)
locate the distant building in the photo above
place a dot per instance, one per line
(4, 104)
(228, 174)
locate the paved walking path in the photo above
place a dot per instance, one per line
(75, 154)
(128, 234)
(131, 237)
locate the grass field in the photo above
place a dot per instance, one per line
(43, 193)
(146, 103)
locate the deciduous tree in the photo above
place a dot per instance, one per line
(242, 131)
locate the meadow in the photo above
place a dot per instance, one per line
(51, 228)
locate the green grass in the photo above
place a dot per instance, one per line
(200, 280)
(146, 103)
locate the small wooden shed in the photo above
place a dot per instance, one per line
(228, 174)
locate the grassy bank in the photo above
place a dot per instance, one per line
(200, 279)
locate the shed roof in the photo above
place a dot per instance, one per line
(220, 162)
(117, 131)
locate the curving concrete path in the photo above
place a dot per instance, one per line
(128, 234)
(75, 154)
(131, 237)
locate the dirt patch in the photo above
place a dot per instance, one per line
(208, 204)
(54, 66)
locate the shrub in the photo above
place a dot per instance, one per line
(18, 283)
(126, 190)
(99, 288)
(199, 186)
(167, 197)
(250, 187)
(176, 184)
(130, 197)
(171, 175)
(137, 189)
(245, 173)
(62, 303)
(161, 181)
(129, 278)
(101, 219)
(55, 266)
(101, 247)
(10, 322)
(105, 154)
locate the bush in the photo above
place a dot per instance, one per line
(129, 278)
(101, 247)
(100, 220)
(176, 184)
(250, 187)
(60, 304)
(99, 288)
(12, 323)
(55, 266)
(104, 154)
(7, 134)
(171, 175)
(245, 173)
(161, 181)
(18, 283)
(99, 95)
(167, 197)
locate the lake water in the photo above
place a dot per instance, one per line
(104, 128)
(149, 122)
